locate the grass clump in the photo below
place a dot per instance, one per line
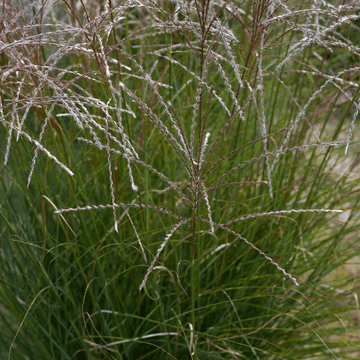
(179, 180)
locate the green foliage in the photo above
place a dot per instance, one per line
(111, 183)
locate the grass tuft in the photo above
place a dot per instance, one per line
(168, 167)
